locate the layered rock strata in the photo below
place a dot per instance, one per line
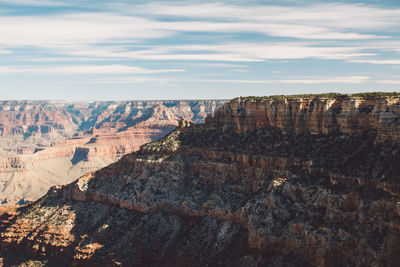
(235, 191)
(42, 143)
(348, 115)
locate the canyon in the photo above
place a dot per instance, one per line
(47, 143)
(276, 181)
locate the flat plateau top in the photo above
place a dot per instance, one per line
(321, 96)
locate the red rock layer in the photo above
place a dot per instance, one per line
(50, 133)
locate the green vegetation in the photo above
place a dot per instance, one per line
(163, 147)
(376, 94)
(316, 96)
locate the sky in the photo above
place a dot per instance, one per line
(127, 50)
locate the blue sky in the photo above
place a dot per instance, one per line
(109, 50)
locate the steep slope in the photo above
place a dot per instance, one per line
(239, 190)
(46, 143)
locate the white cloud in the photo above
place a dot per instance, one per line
(213, 53)
(63, 59)
(34, 2)
(220, 65)
(134, 80)
(377, 61)
(325, 22)
(75, 29)
(388, 81)
(323, 31)
(339, 16)
(234, 52)
(240, 70)
(274, 29)
(85, 69)
(106, 28)
(346, 80)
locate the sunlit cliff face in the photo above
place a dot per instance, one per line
(310, 116)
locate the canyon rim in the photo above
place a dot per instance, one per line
(276, 181)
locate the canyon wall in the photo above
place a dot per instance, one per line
(251, 187)
(45, 143)
(308, 115)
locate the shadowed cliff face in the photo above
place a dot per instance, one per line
(45, 143)
(217, 194)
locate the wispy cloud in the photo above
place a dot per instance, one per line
(325, 22)
(220, 65)
(309, 80)
(99, 32)
(86, 69)
(345, 80)
(234, 52)
(135, 80)
(331, 16)
(63, 59)
(388, 81)
(377, 61)
(75, 29)
(35, 3)
(239, 42)
(103, 28)
(241, 70)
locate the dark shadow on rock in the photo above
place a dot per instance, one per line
(355, 166)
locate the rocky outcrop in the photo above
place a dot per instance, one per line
(212, 194)
(56, 142)
(310, 115)
(11, 164)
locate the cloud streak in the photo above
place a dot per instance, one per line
(104, 34)
(234, 52)
(377, 61)
(345, 16)
(45, 3)
(345, 80)
(388, 82)
(85, 69)
(240, 43)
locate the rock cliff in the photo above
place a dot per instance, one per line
(42, 143)
(307, 115)
(247, 188)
